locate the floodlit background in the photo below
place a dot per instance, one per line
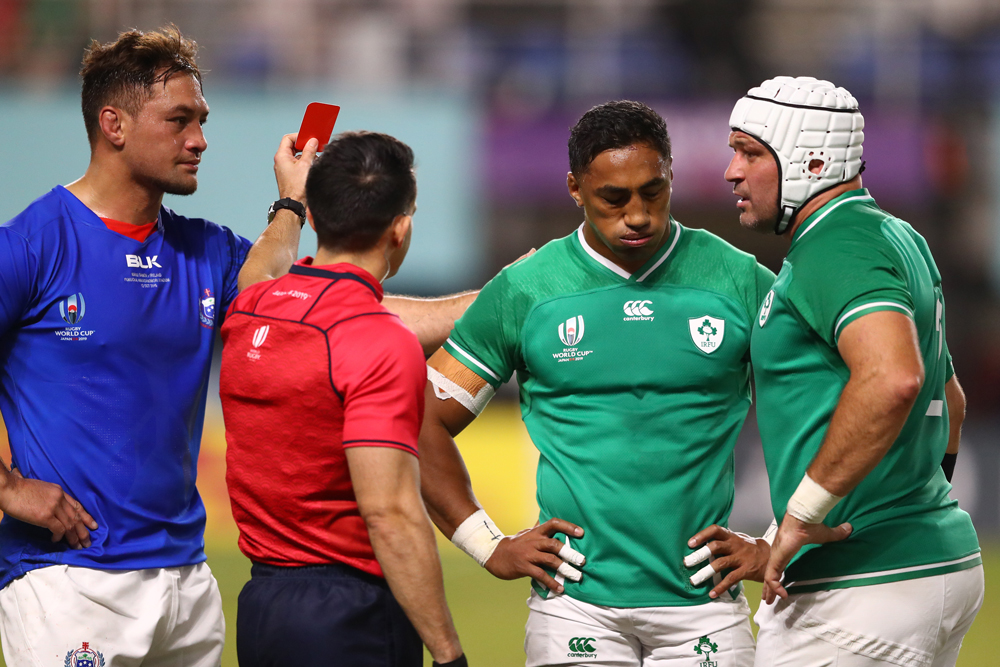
(485, 92)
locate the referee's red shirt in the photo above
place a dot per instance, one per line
(312, 364)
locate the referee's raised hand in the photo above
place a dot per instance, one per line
(47, 505)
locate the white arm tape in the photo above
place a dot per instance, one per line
(478, 536)
(772, 530)
(445, 389)
(811, 502)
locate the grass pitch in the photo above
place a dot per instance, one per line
(490, 613)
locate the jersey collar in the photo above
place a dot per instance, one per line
(342, 271)
(646, 269)
(83, 214)
(860, 195)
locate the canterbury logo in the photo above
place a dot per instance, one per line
(582, 645)
(571, 331)
(260, 335)
(637, 308)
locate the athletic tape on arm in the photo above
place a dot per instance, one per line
(811, 502)
(478, 536)
(772, 530)
(445, 389)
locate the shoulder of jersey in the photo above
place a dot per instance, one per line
(553, 252)
(40, 213)
(706, 241)
(190, 225)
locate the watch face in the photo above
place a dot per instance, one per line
(270, 214)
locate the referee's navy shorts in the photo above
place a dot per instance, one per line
(324, 615)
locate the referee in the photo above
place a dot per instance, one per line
(323, 395)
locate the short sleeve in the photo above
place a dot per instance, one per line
(839, 281)
(236, 249)
(485, 338)
(379, 371)
(18, 272)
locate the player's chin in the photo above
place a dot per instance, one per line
(749, 220)
(182, 185)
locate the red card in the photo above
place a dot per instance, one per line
(317, 123)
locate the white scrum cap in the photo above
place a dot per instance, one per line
(801, 119)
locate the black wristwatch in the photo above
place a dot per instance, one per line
(295, 207)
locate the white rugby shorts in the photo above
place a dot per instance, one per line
(76, 616)
(912, 623)
(564, 631)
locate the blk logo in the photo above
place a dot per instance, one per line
(137, 262)
(72, 308)
(571, 331)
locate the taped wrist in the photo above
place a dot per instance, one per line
(772, 530)
(478, 536)
(811, 502)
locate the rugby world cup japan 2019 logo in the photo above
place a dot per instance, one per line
(72, 308)
(571, 331)
(571, 334)
(84, 657)
(206, 310)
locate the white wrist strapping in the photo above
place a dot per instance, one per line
(478, 536)
(811, 502)
(772, 530)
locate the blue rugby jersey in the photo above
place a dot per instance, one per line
(105, 352)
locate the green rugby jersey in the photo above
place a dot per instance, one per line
(847, 260)
(633, 388)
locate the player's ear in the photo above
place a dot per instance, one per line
(309, 217)
(110, 120)
(573, 185)
(400, 230)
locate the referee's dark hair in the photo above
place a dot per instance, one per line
(360, 183)
(615, 125)
(122, 73)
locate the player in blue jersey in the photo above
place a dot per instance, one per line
(109, 308)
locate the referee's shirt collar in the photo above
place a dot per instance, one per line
(342, 271)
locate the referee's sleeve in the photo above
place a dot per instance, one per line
(18, 269)
(378, 369)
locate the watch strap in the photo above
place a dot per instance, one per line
(296, 207)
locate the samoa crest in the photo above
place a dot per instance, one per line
(84, 657)
(207, 311)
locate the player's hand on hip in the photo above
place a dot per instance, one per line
(528, 552)
(745, 557)
(47, 505)
(792, 535)
(291, 170)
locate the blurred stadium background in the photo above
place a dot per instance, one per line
(485, 91)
